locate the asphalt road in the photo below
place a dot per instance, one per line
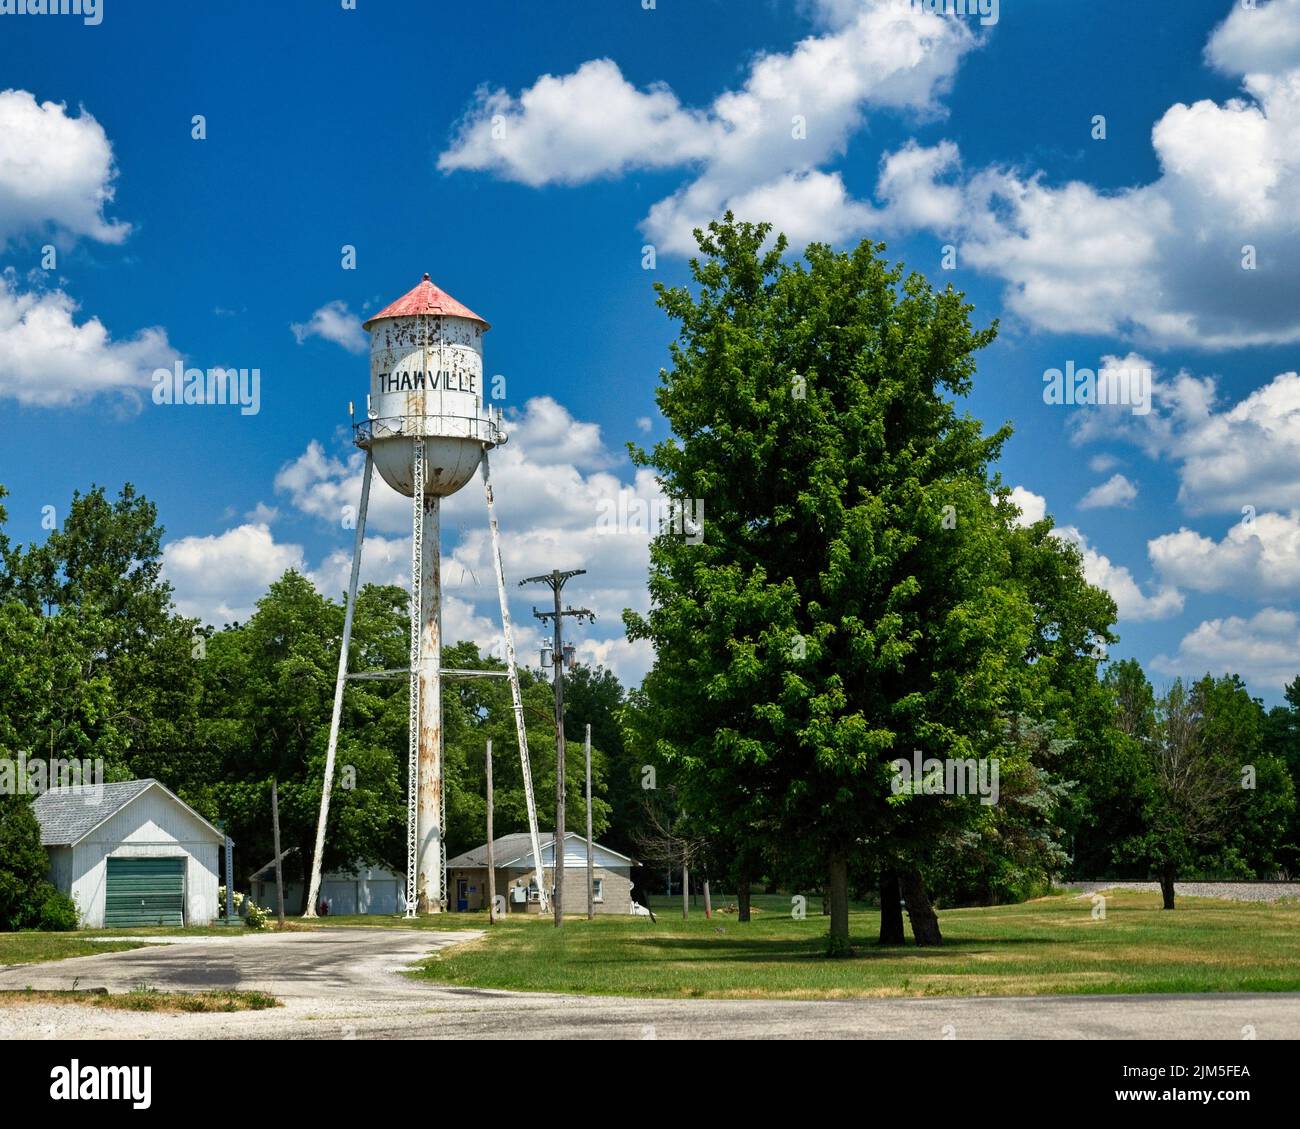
(345, 983)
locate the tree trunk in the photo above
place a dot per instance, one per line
(708, 902)
(839, 905)
(742, 900)
(1167, 885)
(925, 922)
(686, 891)
(304, 858)
(891, 908)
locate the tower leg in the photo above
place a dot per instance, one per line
(429, 891)
(327, 785)
(512, 667)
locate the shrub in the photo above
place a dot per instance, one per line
(255, 916)
(58, 913)
(237, 899)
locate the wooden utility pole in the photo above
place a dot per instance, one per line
(555, 580)
(557, 849)
(275, 845)
(492, 877)
(591, 866)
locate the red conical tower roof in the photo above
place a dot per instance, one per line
(425, 298)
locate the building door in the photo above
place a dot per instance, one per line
(341, 893)
(145, 892)
(462, 894)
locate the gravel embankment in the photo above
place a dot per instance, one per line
(1232, 891)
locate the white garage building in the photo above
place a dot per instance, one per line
(131, 854)
(366, 889)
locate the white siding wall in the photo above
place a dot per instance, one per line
(202, 878)
(376, 890)
(151, 826)
(264, 895)
(60, 872)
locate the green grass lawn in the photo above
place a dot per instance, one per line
(1048, 946)
(438, 922)
(31, 947)
(169, 931)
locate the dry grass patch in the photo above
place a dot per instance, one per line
(145, 999)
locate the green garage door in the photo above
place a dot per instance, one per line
(145, 892)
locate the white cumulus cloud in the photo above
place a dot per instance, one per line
(758, 149)
(220, 578)
(1263, 649)
(1255, 558)
(1131, 602)
(1227, 455)
(1115, 491)
(333, 322)
(56, 172)
(50, 359)
(1261, 38)
(1033, 507)
(1163, 262)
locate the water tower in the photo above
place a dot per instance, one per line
(426, 432)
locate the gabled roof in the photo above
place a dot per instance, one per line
(425, 298)
(503, 847)
(270, 866)
(516, 852)
(66, 817)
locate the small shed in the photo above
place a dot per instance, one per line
(512, 859)
(130, 854)
(365, 890)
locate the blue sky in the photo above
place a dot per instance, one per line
(373, 128)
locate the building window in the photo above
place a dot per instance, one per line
(598, 889)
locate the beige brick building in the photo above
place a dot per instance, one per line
(512, 858)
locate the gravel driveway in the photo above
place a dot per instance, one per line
(344, 984)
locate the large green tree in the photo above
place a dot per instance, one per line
(108, 661)
(1282, 741)
(855, 595)
(1213, 796)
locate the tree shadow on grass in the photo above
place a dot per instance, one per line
(767, 949)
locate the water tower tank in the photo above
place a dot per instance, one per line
(426, 378)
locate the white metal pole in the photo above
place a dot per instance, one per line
(513, 669)
(413, 717)
(327, 785)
